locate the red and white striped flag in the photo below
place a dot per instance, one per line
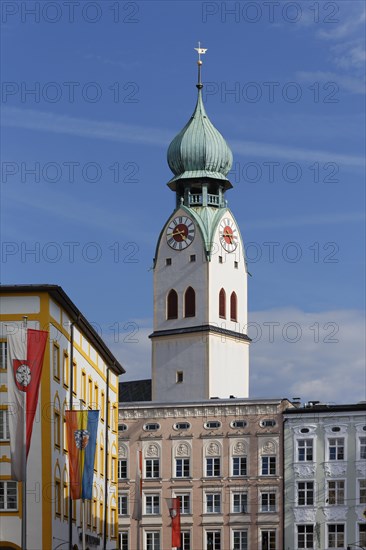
(26, 349)
(137, 510)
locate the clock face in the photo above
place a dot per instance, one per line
(228, 235)
(23, 375)
(180, 232)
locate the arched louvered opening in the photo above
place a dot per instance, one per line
(189, 302)
(222, 304)
(233, 307)
(172, 305)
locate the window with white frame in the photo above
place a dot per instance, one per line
(8, 496)
(213, 540)
(240, 539)
(56, 361)
(152, 540)
(268, 465)
(152, 504)
(213, 467)
(239, 503)
(185, 540)
(336, 448)
(122, 504)
(239, 466)
(362, 491)
(268, 539)
(305, 537)
(336, 492)
(213, 503)
(122, 468)
(362, 443)
(305, 493)
(362, 534)
(184, 502)
(152, 468)
(268, 501)
(336, 535)
(182, 467)
(3, 354)
(305, 450)
(4, 425)
(123, 540)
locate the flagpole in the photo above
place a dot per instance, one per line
(24, 483)
(83, 500)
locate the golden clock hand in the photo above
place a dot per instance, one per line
(178, 232)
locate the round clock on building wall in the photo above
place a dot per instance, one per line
(228, 235)
(180, 232)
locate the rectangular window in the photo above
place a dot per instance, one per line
(213, 503)
(4, 425)
(240, 503)
(268, 466)
(336, 535)
(83, 386)
(268, 540)
(182, 467)
(305, 450)
(3, 354)
(56, 361)
(305, 537)
(305, 493)
(90, 392)
(362, 491)
(240, 540)
(239, 466)
(74, 378)
(184, 503)
(8, 496)
(192, 258)
(57, 426)
(362, 534)
(185, 540)
(168, 261)
(336, 492)
(236, 265)
(213, 467)
(362, 448)
(153, 540)
(58, 497)
(102, 405)
(336, 448)
(268, 502)
(220, 259)
(152, 468)
(66, 369)
(123, 540)
(122, 469)
(213, 540)
(152, 504)
(96, 396)
(122, 505)
(179, 377)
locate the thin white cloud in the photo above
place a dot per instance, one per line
(353, 84)
(63, 124)
(349, 23)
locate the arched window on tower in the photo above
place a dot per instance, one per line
(222, 304)
(233, 307)
(172, 305)
(189, 302)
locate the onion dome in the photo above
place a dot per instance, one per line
(199, 150)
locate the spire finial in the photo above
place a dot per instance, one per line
(199, 63)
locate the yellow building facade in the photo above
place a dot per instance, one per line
(78, 370)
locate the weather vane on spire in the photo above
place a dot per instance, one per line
(200, 51)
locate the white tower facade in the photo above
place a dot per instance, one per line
(200, 348)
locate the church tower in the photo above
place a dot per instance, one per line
(200, 349)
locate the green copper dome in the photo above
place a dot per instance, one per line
(199, 150)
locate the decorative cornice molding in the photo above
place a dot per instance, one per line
(199, 329)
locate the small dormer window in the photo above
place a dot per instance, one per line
(238, 424)
(336, 429)
(212, 425)
(268, 423)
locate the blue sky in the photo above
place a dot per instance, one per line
(113, 83)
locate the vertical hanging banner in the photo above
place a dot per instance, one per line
(81, 429)
(137, 510)
(26, 350)
(174, 511)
